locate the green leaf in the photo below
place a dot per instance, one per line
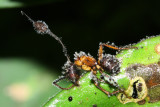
(146, 56)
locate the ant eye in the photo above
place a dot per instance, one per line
(70, 98)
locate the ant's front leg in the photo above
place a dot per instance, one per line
(59, 79)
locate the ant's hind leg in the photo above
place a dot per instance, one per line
(106, 92)
(116, 47)
(100, 53)
(59, 79)
(110, 80)
(101, 45)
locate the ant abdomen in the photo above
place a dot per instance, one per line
(110, 64)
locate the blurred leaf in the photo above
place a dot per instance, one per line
(10, 4)
(24, 83)
(20, 3)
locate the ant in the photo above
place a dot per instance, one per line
(82, 61)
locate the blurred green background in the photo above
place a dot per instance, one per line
(30, 62)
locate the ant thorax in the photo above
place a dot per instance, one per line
(84, 61)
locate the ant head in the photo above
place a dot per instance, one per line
(71, 72)
(110, 63)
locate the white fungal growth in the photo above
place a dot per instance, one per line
(81, 53)
(66, 65)
(78, 55)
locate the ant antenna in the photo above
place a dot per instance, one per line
(42, 28)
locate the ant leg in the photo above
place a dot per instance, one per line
(96, 83)
(116, 47)
(59, 79)
(101, 45)
(110, 80)
(106, 92)
(100, 53)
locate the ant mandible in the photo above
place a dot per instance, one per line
(82, 61)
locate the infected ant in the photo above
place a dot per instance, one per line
(106, 62)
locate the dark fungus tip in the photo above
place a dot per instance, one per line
(70, 98)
